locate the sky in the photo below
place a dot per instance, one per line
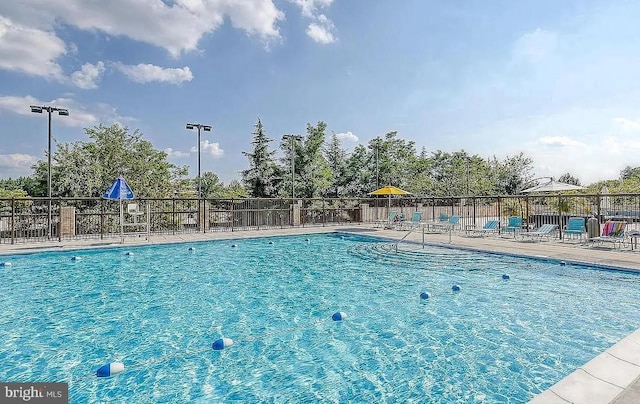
(556, 80)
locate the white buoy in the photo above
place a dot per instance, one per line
(76, 258)
(128, 253)
(110, 369)
(5, 264)
(221, 344)
(192, 249)
(339, 316)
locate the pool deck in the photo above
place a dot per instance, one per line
(611, 377)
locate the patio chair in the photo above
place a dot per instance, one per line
(385, 222)
(546, 230)
(491, 227)
(443, 227)
(513, 226)
(612, 232)
(576, 226)
(411, 223)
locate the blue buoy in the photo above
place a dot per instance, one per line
(562, 263)
(5, 264)
(455, 288)
(307, 240)
(270, 242)
(76, 258)
(192, 249)
(425, 295)
(110, 369)
(128, 253)
(339, 316)
(234, 245)
(505, 276)
(221, 344)
(342, 237)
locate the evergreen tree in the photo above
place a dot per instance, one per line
(262, 177)
(336, 158)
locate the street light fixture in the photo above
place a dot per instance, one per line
(63, 112)
(292, 138)
(206, 128)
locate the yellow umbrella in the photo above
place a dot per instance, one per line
(390, 190)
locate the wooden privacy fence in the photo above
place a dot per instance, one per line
(27, 219)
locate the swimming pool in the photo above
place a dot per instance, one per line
(160, 309)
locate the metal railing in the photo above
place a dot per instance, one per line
(26, 219)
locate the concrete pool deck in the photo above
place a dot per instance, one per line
(611, 377)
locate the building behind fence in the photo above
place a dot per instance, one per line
(27, 219)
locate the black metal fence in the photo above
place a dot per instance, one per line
(28, 219)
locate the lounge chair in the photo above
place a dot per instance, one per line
(612, 232)
(411, 223)
(575, 227)
(491, 227)
(546, 230)
(513, 226)
(443, 227)
(386, 222)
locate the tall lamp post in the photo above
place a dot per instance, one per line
(63, 112)
(292, 138)
(206, 128)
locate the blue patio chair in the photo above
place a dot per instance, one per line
(491, 227)
(411, 223)
(443, 227)
(513, 226)
(386, 222)
(546, 230)
(575, 227)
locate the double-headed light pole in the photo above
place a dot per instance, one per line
(293, 138)
(206, 128)
(63, 112)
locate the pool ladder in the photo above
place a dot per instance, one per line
(411, 229)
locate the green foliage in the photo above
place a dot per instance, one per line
(88, 168)
(567, 178)
(263, 175)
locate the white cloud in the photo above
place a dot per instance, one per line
(309, 8)
(559, 141)
(175, 153)
(320, 31)
(177, 26)
(627, 125)
(80, 114)
(88, 76)
(347, 136)
(28, 50)
(145, 73)
(212, 148)
(534, 47)
(17, 161)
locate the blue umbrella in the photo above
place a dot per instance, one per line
(118, 191)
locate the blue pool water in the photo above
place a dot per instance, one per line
(159, 310)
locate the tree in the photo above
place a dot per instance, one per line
(630, 172)
(88, 168)
(510, 175)
(336, 158)
(569, 179)
(262, 177)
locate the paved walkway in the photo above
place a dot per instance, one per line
(612, 377)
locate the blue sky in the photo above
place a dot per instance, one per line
(559, 81)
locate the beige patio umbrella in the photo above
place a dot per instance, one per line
(552, 186)
(390, 190)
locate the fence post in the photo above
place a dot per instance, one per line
(499, 216)
(59, 229)
(324, 213)
(101, 219)
(233, 216)
(13, 225)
